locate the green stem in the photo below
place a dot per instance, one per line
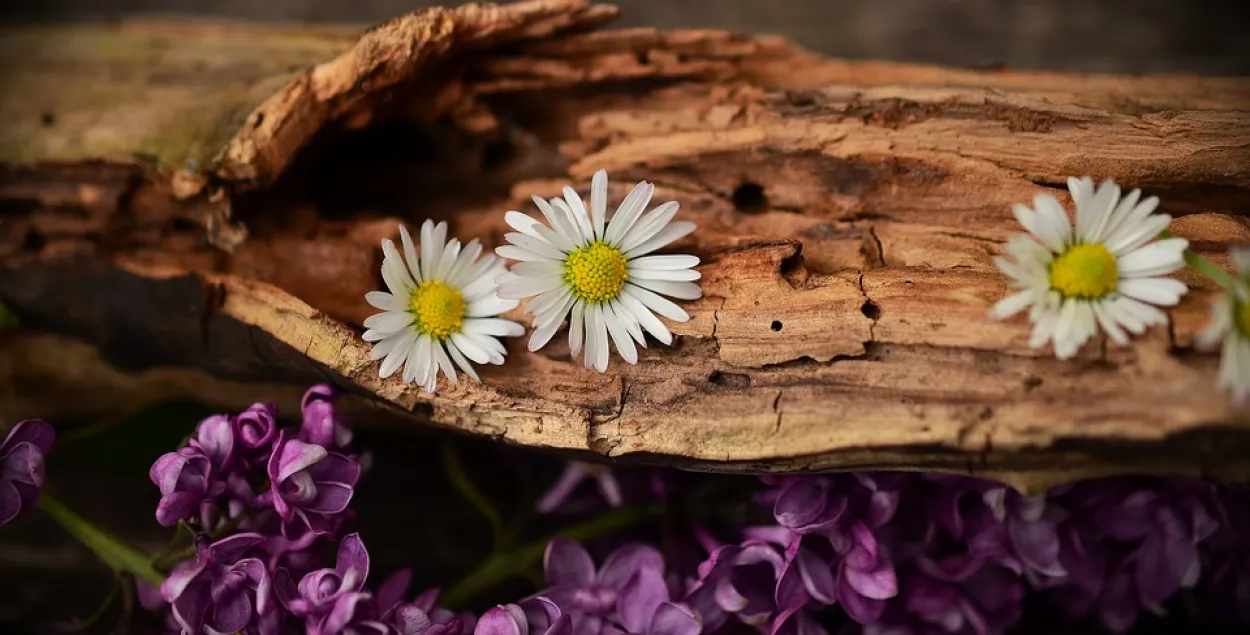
(1208, 269)
(502, 566)
(118, 554)
(464, 485)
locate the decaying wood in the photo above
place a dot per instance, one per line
(848, 213)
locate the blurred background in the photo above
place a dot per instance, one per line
(1209, 37)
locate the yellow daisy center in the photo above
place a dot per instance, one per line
(596, 272)
(439, 309)
(1085, 271)
(1241, 317)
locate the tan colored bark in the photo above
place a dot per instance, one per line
(848, 214)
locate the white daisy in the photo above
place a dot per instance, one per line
(1106, 272)
(441, 309)
(597, 272)
(1230, 327)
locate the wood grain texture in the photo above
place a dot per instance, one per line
(848, 214)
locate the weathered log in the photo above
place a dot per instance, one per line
(848, 213)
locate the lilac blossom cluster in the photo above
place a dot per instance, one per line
(871, 553)
(906, 554)
(263, 504)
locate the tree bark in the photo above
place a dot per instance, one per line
(848, 213)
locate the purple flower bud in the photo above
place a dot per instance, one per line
(309, 485)
(185, 479)
(221, 589)
(321, 424)
(214, 437)
(256, 429)
(351, 614)
(22, 456)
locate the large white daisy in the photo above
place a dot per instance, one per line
(598, 272)
(441, 308)
(1106, 273)
(1230, 330)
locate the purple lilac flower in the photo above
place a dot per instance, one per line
(321, 424)
(421, 616)
(597, 601)
(987, 601)
(22, 456)
(318, 592)
(834, 556)
(221, 589)
(539, 617)
(186, 481)
(1224, 592)
(309, 486)
(575, 473)
(739, 580)
(1031, 524)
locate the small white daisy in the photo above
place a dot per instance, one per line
(441, 308)
(1107, 272)
(1230, 330)
(597, 272)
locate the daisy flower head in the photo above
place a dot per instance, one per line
(1105, 273)
(439, 311)
(1230, 330)
(597, 271)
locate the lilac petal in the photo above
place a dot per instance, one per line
(817, 576)
(11, 502)
(175, 506)
(36, 432)
(562, 626)
(566, 563)
(881, 508)
(231, 613)
(956, 568)
(625, 561)
(727, 597)
(335, 468)
(410, 620)
(215, 435)
(572, 476)
(639, 598)
(1037, 543)
(859, 608)
(1162, 565)
(791, 591)
(393, 589)
(344, 612)
(331, 498)
(191, 606)
(540, 612)
(230, 549)
(293, 455)
(609, 488)
(674, 619)
(802, 503)
(499, 621)
(878, 583)
(24, 465)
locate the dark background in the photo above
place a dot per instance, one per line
(1210, 37)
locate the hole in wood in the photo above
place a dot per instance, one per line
(750, 198)
(776, 326)
(870, 310)
(729, 380)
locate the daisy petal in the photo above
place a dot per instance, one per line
(627, 214)
(667, 235)
(599, 201)
(664, 262)
(656, 303)
(1158, 291)
(679, 290)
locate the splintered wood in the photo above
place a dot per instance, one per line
(848, 213)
